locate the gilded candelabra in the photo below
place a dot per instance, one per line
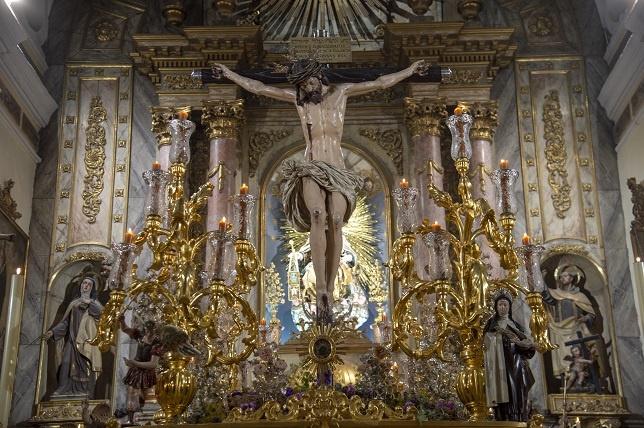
(196, 302)
(460, 282)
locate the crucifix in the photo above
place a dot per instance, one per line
(581, 341)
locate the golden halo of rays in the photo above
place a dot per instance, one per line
(361, 233)
(320, 359)
(283, 19)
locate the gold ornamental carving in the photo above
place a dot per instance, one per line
(161, 116)
(391, 141)
(7, 204)
(105, 31)
(541, 25)
(181, 81)
(220, 170)
(430, 166)
(486, 119)
(325, 407)
(224, 119)
(86, 255)
(423, 116)
(94, 160)
(556, 153)
(259, 143)
(65, 412)
(566, 249)
(464, 77)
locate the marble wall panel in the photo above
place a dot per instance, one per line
(95, 142)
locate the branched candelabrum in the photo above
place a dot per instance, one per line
(459, 280)
(200, 303)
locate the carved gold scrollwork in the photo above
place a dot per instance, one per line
(541, 25)
(181, 81)
(326, 408)
(556, 153)
(259, 143)
(224, 119)
(391, 141)
(464, 77)
(94, 160)
(105, 31)
(423, 116)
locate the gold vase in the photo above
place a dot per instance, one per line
(470, 383)
(175, 388)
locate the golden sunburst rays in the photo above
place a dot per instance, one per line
(361, 234)
(321, 345)
(284, 19)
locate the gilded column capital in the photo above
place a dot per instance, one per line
(161, 116)
(423, 116)
(486, 119)
(224, 119)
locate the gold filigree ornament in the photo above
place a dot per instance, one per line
(325, 408)
(541, 25)
(198, 303)
(94, 160)
(105, 31)
(461, 292)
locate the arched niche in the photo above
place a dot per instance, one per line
(594, 285)
(62, 289)
(374, 204)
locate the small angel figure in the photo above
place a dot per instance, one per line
(578, 367)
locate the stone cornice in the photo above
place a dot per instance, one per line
(474, 54)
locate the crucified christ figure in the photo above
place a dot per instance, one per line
(320, 194)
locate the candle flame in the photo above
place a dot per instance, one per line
(637, 259)
(223, 219)
(18, 271)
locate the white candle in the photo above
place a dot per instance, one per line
(11, 339)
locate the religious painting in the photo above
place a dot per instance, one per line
(72, 368)
(361, 292)
(578, 306)
(14, 244)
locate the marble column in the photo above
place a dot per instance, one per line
(161, 116)
(485, 115)
(423, 117)
(224, 121)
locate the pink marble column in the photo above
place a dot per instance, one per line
(161, 116)
(482, 163)
(423, 117)
(223, 121)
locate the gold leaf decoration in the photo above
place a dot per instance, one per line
(556, 153)
(94, 160)
(259, 143)
(391, 141)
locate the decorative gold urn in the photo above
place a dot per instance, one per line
(175, 388)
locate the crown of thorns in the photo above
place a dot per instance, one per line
(300, 69)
